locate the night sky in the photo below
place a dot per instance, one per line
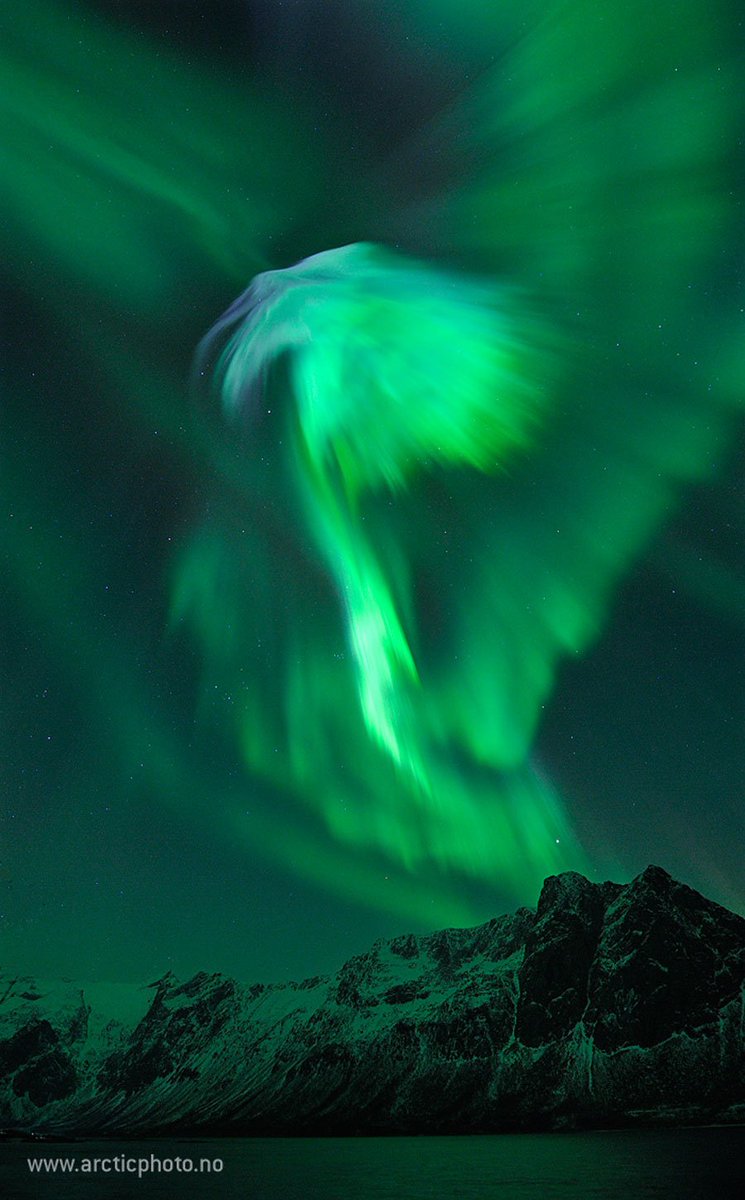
(348, 650)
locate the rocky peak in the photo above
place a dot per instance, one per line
(569, 891)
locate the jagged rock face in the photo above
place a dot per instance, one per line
(608, 1004)
(668, 960)
(559, 952)
(39, 1066)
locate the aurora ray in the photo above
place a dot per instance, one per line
(396, 369)
(401, 380)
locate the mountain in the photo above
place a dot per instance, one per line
(608, 1005)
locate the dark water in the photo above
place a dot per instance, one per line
(695, 1164)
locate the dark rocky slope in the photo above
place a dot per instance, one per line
(610, 1004)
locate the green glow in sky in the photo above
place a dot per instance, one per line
(323, 619)
(390, 436)
(123, 160)
(402, 378)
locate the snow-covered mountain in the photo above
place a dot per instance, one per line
(608, 1004)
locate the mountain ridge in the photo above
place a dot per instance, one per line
(608, 1004)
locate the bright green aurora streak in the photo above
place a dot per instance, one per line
(403, 378)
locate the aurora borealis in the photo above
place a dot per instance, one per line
(427, 580)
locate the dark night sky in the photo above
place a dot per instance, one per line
(160, 156)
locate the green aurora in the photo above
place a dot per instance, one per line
(301, 643)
